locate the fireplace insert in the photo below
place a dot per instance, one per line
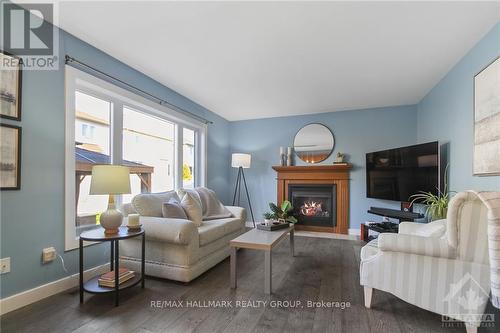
(314, 205)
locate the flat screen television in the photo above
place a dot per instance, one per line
(396, 174)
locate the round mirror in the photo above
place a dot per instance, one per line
(313, 143)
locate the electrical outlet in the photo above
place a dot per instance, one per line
(5, 265)
(48, 254)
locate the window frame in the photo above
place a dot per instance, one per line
(77, 80)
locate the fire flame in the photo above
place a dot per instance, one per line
(311, 208)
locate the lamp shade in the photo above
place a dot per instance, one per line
(110, 179)
(241, 160)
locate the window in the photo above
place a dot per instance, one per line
(106, 124)
(188, 151)
(148, 141)
(91, 112)
(87, 131)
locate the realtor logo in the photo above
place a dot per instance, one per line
(28, 33)
(466, 301)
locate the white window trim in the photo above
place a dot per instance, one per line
(86, 83)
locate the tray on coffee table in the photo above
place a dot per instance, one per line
(273, 226)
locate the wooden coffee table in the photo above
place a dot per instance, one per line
(256, 239)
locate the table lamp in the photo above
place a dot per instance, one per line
(241, 161)
(111, 180)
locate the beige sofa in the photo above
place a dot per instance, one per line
(176, 249)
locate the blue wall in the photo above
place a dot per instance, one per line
(446, 114)
(356, 133)
(33, 218)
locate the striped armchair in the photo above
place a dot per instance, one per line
(447, 273)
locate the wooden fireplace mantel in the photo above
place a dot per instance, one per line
(336, 174)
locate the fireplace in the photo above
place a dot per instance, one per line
(314, 205)
(319, 193)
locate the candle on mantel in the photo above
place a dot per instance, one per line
(282, 151)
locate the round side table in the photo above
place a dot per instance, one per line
(97, 235)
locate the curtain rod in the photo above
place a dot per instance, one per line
(71, 61)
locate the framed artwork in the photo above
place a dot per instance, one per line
(10, 157)
(10, 86)
(486, 159)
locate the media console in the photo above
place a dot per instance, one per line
(396, 214)
(387, 226)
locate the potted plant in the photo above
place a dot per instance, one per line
(437, 204)
(340, 157)
(284, 212)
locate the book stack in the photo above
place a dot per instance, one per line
(108, 279)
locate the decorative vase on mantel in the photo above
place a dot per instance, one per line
(289, 157)
(282, 156)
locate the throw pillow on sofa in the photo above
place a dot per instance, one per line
(150, 204)
(183, 191)
(192, 208)
(173, 210)
(212, 207)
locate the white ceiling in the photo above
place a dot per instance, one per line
(247, 60)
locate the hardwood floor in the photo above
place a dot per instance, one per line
(323, 269)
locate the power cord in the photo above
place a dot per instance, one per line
(62, 262)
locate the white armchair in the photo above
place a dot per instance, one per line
(443, 266)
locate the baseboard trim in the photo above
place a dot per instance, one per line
(30, 296)
(355, 232)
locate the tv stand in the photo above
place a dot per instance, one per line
(382, 227)
(379, 227)
(396, 214)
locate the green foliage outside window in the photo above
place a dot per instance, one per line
(186, 172)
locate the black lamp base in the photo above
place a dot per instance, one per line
(237, 191)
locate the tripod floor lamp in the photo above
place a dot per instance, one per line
(241, 161)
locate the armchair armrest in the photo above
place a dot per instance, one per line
(412, 244)
(409, 228)
(238, 212)
(176, 231)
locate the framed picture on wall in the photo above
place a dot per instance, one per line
(10, 157)
(10, 86)
(486, 159)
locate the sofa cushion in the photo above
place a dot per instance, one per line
(212, 207)
(128, 209)
(174, 210)
(150, 204)
(183, 191)
(192, 208)
(212, 230)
